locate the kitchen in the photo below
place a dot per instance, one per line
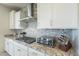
(41, 29)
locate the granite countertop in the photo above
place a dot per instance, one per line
(44, 49)
(11, 37)
(52, 51)
(14, 37)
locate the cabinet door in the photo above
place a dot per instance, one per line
(12, 19)
(6, 45)
(64, 15)
(44, 15)
(20, 50)
(24, 52)
(9, 46)
(17, 20)
(33, 52)
(17, 50)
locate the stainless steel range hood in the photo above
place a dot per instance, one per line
(29, 7)
(30, 17)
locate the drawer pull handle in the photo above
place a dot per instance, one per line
(19, 50)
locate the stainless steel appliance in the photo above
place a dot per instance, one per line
(46, 40)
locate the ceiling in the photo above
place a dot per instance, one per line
(14, 5)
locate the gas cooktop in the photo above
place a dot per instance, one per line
(28, 40)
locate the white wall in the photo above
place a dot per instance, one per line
(4, 25)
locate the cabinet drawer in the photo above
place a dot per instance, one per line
(24, 52)
(19, 51)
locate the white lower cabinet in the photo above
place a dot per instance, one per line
(14, 48)
(24, 52)
(20, 50)
(6, 45)
(9, 46)
(17, 51)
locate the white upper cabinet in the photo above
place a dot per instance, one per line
(44, 15)
(64, 15)
(15, 20)
(12, 19)
(60, 15)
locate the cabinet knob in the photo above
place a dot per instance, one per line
(18, 49)
(51, 22)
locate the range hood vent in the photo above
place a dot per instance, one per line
(29, 7)
(30, 17)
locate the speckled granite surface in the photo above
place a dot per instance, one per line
(52, 51)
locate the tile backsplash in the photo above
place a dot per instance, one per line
(55, 32)
(32, 31)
